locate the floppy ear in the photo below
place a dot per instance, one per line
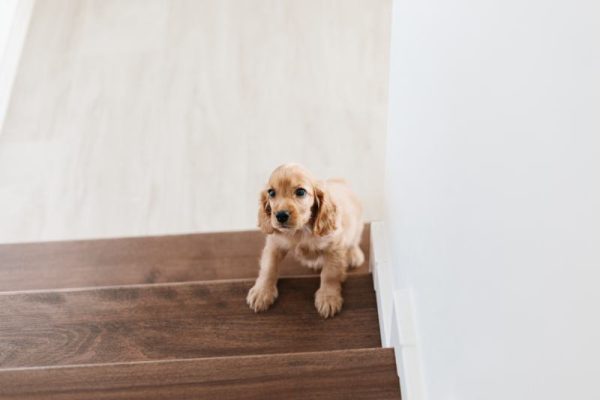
(325, 213)
(264, 214)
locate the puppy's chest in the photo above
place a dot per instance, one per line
(310, 250)
(307, 252)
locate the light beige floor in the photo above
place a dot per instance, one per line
(161, 116)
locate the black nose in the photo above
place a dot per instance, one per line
(282, 216)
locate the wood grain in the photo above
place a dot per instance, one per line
(124, 261)
(349, 374)
(171, 321)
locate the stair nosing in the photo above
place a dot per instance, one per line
(164, 284)
(138, 236)
(129, 236)
(195, 359)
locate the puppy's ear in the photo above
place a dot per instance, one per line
(324, 214)
(264, 214)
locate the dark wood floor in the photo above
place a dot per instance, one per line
(152, 322)
(166, 318)
(349, 374)
(125, 261)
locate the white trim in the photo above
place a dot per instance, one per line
(405, 343)
(382, 280)
(10, 51)
(396, 317)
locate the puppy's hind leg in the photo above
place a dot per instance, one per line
(356, 258)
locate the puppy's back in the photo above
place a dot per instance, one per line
(349, 209)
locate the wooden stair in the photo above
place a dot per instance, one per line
(165, 317)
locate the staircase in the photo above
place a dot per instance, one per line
(166, 318)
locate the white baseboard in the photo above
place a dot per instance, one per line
(382, 279)
(17, 18)
(396, 316)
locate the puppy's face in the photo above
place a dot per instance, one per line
(288, 201)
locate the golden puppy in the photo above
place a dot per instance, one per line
(320, 222)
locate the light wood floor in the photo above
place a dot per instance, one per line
(149, 117)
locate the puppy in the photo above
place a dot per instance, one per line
(319, 222)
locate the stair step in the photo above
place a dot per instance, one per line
(348, 374)
(127, 261)
(171, 321)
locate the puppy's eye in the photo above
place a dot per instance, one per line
(300, 192)
(271, 193)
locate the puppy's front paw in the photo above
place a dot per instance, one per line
(260, 297)
(328, 303)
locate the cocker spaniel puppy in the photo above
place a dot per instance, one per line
(319, 222)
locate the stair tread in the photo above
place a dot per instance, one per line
(122, 261)
(356, 374)
(174, 321)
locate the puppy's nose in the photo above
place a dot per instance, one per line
(282, 216)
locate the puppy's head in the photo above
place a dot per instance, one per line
(293, 200)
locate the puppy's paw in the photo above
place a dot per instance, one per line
(260, 297)
(355, 257)
(328, 303)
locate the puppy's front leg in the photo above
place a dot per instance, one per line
(264, 292)
(328, 299)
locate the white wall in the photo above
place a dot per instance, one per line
(7, 11)
(134, 117)
(493, 194)
(14, 21)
